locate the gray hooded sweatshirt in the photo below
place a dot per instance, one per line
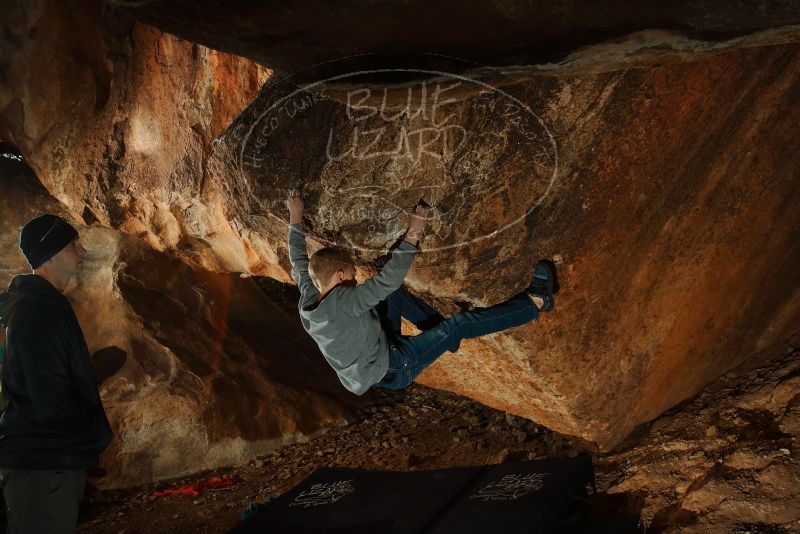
(345, 324)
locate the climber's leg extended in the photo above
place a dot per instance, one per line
(410, 355)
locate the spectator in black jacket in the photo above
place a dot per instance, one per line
(54, 426)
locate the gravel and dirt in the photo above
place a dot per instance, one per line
(725, 461)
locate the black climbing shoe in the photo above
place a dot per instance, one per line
(543, 284)
(552, 265)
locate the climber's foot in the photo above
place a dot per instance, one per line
(541, 287)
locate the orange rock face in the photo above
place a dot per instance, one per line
(200, 368)
(666, 193)
(140, 107)
(197, 369)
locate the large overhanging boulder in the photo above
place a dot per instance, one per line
(666, 193)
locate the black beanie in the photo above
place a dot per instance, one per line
(44, 237)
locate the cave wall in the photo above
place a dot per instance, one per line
(117, 119)
(291, 36)
(197, 369)
(665, 192)
(200, 368)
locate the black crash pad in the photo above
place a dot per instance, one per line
(520, 497)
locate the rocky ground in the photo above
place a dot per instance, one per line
(726, 461)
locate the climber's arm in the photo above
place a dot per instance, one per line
(367, 295)
(298, 255)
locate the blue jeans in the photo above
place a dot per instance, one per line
(410, 355)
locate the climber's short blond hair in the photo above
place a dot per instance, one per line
(325, 262)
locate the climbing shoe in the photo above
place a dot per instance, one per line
(543, 284)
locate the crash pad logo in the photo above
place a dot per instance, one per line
(510, 487)
(366, 145)
(326, 493)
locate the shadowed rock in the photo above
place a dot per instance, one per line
(107, 362)
(292, 36)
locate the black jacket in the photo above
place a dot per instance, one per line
(55, 418)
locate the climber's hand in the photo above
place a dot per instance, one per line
(416, 223)
(295, 205)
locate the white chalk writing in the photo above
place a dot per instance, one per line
(510, 487)
(325, 493)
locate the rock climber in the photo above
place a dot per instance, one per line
(357, 326)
